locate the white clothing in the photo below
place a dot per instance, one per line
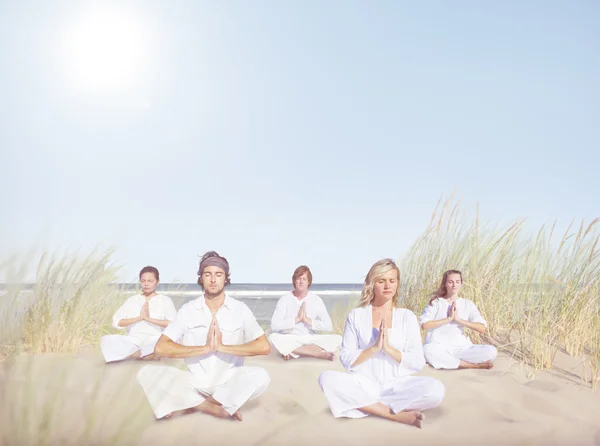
(287, 335)
(284, 317)
(287, 343)
(380, 378)
(346, 392)
(442, 357)
(446, 345)
(221, 375)
(169, 389)
(141, 335)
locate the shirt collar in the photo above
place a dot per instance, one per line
(227, 303)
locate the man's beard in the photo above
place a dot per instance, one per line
(210, 294)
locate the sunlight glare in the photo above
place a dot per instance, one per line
(105, 50)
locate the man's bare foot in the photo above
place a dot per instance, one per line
(410, 417)
(178, 413)
(486, 365)
(150, 357)
(286, 357)
(237, 416)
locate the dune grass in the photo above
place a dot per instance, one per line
(539, 292)
(69, 306)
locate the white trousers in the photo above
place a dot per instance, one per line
(347, 392)
(441, 356)
(118, 347)
(169, 389)
(287, 343)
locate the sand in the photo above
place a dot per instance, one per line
(502, 406)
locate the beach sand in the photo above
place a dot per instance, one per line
(502, 406)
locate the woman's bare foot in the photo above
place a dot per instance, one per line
(286, 357)
(469, 365)
(410, 417)
(237, 416)
(327, 355)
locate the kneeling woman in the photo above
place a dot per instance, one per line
(445, 318)
(381, 347)
(144, 316)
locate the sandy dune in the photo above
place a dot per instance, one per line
(496, 407)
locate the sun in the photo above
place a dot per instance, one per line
(105, 49)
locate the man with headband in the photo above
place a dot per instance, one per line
(213, 334)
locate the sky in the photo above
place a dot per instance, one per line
(289, 133)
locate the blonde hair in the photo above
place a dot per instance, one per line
(378, 269)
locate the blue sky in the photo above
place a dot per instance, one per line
(287, 133)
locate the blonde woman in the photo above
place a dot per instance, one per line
(445, 318)
(143, 316)
(381, 348)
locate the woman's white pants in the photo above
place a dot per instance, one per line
(169, 389)
(287, 343)
(441, 356)
(347, 392)
(119, 347)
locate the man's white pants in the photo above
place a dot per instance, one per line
(441, 356)
(119, 347)
(169, 389)
(287, 343)
(347, 392)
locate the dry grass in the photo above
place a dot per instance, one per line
(538, 293)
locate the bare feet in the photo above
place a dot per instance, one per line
(469, 365)
(410, 417)
(327, 355)
(485, 365)
(216, 410)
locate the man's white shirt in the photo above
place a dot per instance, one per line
(286, 311)
(191, 327)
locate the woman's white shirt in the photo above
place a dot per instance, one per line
(160, 307)
(404, 335)
(452, 333)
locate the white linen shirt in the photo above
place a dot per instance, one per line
(451, 334)
(404, 335)
(284, 317)
(191, 325)
(160, 307)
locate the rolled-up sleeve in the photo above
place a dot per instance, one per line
(428, 313)
(252, 329)
(169, 309)
(413, 358)
(176, 328)
(124, 312)
(322, 320)
(475, 315)
(278, 320)
(350, 345)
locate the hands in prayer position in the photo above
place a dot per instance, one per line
(452, 314)
(145, 312)
(215, 337)
(382, 344)
(302, 317)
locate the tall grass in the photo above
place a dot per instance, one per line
(538, 292)
(70, 305)
(43, 402)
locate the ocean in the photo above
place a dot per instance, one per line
(260, 297)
